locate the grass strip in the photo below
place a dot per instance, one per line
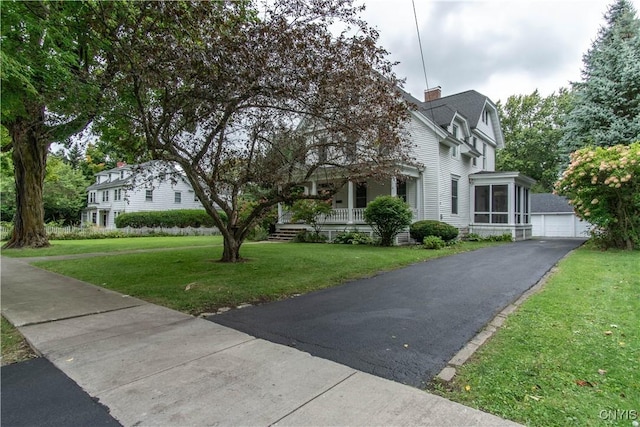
(570, 355)
(193, 281)
(13, 347)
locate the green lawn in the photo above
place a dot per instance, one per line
(570, 355)
(72, 247)
(13, 347)
(193, 281)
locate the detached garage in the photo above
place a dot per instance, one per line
(552, 216)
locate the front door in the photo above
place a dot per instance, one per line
(105, 218)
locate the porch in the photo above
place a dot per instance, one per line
(351, 200)
(501, 204)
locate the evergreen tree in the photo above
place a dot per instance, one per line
(607, 102)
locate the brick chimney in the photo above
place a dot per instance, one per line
(121, 164)
(432, 94)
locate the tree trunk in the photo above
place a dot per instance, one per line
(231, 252)
(29, 160)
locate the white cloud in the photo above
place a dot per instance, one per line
(498, 47)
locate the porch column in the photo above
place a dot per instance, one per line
(528, 204)
(394, 186)
(350, 202)
(314, 188)
(280, 213)
(420, 196)
(511, 194)
(522, 202)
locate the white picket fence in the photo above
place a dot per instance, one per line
(5, 232)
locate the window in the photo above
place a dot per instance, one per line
(92, 197)
(121, 174)
(105, 196)
(401, 190)
(94, 217)
(148, 196)
(485, 116)
(177, 197)
(117, 194)
(351, 151)
(361, 195)
(454, 151)
(454, 196)
(455, 131)
(491, 204)
(322, 154)
(484, 156)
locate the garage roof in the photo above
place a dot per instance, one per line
(549, 203)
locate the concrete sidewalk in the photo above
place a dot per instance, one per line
(154, 366)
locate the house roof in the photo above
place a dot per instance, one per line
(109, 184)
(549, 203)
(469, 104)
(164, 168)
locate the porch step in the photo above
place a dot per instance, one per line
(284, 234)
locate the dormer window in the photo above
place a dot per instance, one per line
(485, 116)
(455, 131)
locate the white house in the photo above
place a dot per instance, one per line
(453, 180)
(553, 216)
(152, 186)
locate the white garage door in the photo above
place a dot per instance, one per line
(559, 225)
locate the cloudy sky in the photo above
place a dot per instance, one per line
(497, 47)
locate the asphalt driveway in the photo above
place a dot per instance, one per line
(404, 325)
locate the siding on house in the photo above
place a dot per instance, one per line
(426, 152)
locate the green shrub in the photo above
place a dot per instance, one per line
(306, 236)
(180, 218)
(258, 234)
(507, 237)
(433, 242)
(353, 238)
(421, 229)
(473, 237)
(387, 216)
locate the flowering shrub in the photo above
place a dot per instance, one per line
(603, 185)
(312, 212)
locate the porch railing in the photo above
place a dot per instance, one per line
(341, 216)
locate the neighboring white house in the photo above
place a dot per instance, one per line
(553, 216)
(152, 186)
(453, 180)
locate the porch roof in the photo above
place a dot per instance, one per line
(490, 177)
(330, 173)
